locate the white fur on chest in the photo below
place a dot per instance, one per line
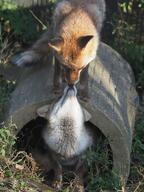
(66, 133)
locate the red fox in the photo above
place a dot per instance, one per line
(74, 39)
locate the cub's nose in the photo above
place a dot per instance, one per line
(72, 91)
(71, 86)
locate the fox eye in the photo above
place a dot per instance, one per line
(83, 41)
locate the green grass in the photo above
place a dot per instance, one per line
(15, 168)
(18, 171)
(6, 88)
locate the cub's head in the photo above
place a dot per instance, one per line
(74, 54)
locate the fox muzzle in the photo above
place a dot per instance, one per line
(72, 76)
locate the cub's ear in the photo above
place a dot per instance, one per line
(83, 41)
(43, 111)
(87, 115)
(56, 43)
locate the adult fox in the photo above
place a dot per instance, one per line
(74, 38)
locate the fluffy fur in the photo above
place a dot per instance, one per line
(66, 133)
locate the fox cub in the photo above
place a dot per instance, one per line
(74, 39)
(65, 135)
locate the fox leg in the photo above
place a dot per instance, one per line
(84, 93)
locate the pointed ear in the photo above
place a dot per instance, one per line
(56, 44)
(87, 115)
(82, 41)
(43, 111)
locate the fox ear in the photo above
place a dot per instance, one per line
(87, 115)
(43, 111)
(56, 43)
(82, 41)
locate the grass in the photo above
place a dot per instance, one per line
(18, 170)
(15, 168)
(6, 87)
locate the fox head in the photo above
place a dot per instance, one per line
(74, 55)
(76, 39)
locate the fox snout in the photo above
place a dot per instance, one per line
(71, 76)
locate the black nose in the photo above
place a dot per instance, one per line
(71, 86)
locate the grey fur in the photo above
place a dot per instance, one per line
(95, 8)
(66, 133)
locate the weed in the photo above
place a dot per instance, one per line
(6, 87)
(18, 171)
